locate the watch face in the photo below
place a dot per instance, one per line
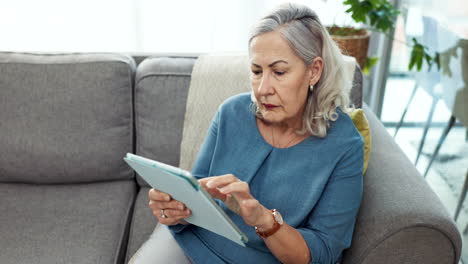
(278, 217)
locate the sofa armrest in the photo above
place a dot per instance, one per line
(401, 220)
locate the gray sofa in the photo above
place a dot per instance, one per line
(66, 195)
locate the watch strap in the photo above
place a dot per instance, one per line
(271, 231)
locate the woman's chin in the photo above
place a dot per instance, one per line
(270, 118)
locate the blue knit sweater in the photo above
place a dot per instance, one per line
(316, 185)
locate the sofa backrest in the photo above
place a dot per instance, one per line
(161, 88)
(68, 118)
(65, 118)
(161, 91)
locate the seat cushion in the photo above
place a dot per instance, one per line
(82, 223)
(143, 223)
(65, 118)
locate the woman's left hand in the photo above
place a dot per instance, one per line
(236, 195)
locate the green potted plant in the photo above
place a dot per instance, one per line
(377, 16)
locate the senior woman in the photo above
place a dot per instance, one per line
(285, 160)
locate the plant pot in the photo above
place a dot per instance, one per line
(352, 42)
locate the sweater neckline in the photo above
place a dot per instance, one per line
(258, 135)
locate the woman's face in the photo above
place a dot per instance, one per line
(280, 79)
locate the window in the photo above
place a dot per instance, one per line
(138, 26)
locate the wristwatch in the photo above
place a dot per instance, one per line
(278, 219)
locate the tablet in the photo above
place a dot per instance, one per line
(182, 186)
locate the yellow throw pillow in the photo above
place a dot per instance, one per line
(362, 125)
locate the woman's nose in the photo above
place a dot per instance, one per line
(265, 85)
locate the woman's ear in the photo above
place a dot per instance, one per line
(316, 68)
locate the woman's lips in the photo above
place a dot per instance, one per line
(270, 106)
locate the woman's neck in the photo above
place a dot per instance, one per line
(286, 127)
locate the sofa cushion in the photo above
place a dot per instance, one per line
(79, 223)
(362, 125)
(143, 223)
(215, 78)
(65, 118)
(160, 101)
(356, 88)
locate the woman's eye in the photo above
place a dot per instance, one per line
(256, 72)
(279, 73)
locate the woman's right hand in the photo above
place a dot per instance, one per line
(174, 210)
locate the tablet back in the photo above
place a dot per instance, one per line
(184, 188)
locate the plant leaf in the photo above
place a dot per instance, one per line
(358, 9)
(437, 60)
(428, 61)
(416, 55)
(380, 14)
(370, 62)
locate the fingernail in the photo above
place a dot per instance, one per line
(181, 207)
(209, 184)
(167, 198)
(222, 190)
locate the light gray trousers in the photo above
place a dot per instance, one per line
(161, 247)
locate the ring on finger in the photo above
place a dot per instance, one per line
(163, 215)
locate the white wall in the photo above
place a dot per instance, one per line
(138, 25)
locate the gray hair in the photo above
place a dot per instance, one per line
(302, 29)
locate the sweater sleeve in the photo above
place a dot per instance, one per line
(202, 164)
(329, 228)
